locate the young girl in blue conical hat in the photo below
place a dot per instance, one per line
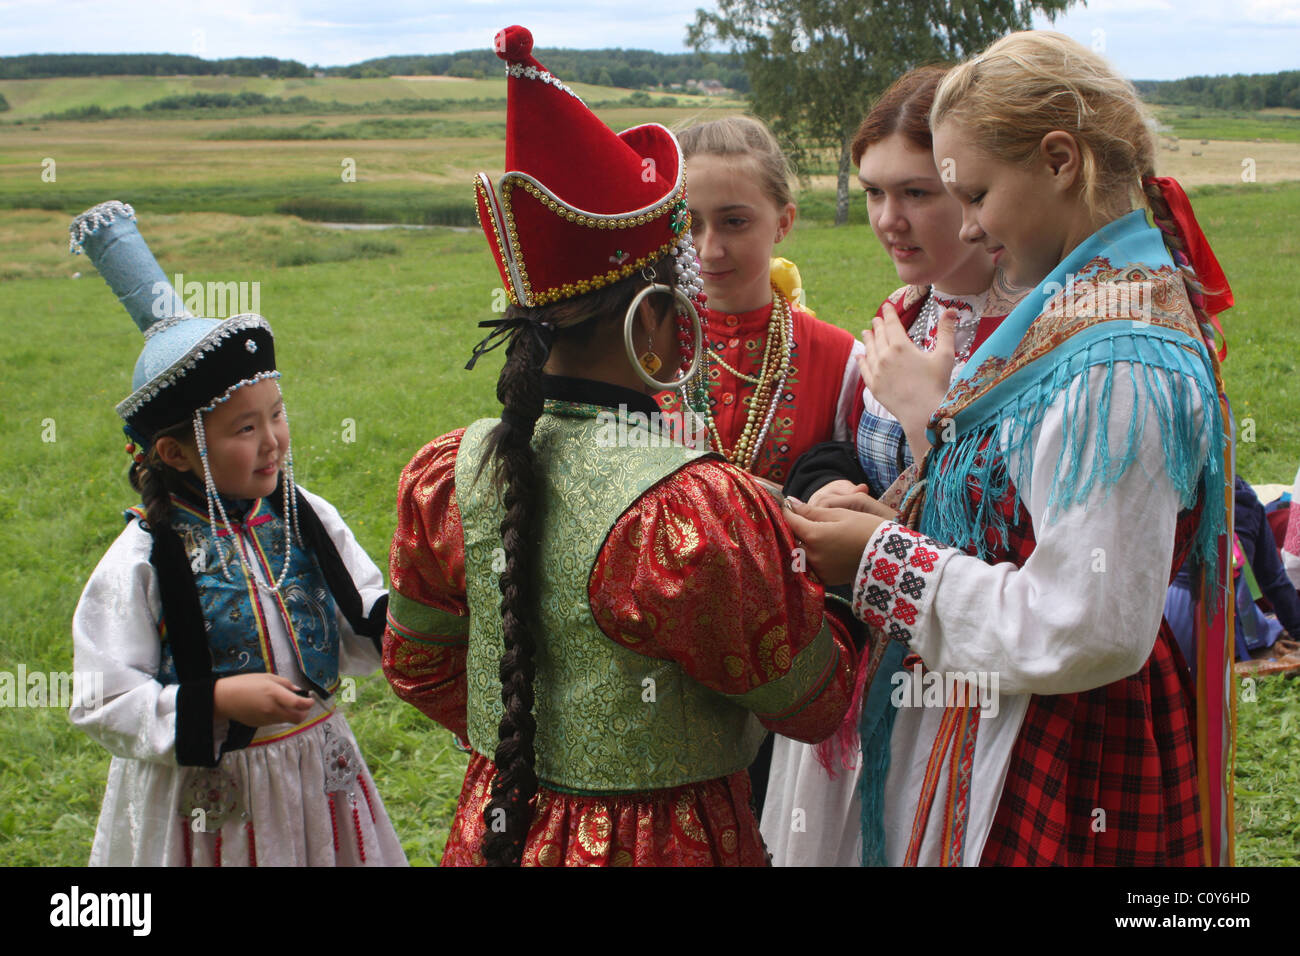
(225, 611)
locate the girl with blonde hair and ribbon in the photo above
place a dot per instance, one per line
(1079, 457)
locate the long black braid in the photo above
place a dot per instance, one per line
(519, 389)
(508, 814)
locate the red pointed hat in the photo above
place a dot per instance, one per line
(579, 206)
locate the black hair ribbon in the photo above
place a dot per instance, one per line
(504, 329)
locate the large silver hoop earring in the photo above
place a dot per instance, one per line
(629, 321)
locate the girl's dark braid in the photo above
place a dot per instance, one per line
(155, 481)
(148, 480)
(508, 814)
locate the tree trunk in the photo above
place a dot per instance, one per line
(842, 184)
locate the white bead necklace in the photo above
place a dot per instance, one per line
(928, 320)
(216, 507)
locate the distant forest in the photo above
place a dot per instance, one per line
(631, 69)
(1238, 92)
(45, 65)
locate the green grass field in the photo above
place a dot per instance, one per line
(1192, 122)
(33, 98)
(374, 328)
(406, 170)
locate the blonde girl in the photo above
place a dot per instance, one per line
(1077, 460)
(777, 380)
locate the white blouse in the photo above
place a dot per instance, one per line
(278, 779)
(1083, 612)
(810, 819)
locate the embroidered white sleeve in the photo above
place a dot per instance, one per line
(357, 655)
(896, 580)
(1085, 608)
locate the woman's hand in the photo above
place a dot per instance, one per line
(907, 381)
(835, 489)
(258, 699)
(834, 538)
(859, 499)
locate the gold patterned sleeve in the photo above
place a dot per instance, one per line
(428, 615)
(702, 570)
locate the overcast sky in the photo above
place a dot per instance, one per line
(1146, 39)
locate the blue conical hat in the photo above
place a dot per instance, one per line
(187, 362)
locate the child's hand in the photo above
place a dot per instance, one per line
(258, 699)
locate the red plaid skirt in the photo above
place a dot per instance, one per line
(1106, 777)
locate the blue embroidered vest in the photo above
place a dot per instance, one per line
(232, 612)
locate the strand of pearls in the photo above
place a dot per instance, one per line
(774, 372)
(780, 385)
(215, 507)
(750, 379)
(687, 266)
(291, 504)
(928, 320)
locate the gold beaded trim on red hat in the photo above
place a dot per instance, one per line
(583, 286)
(674, 203)
(590, 220)
(485, 192)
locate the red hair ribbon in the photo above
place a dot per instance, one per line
(1218, 296)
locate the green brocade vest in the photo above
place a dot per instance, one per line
(608, 719)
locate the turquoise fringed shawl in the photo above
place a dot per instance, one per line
(1116, 298)
(1142, 319)
(874, 730)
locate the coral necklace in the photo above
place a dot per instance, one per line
(769, 385)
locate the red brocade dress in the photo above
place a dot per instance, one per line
(822, 398)
(694, 574)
